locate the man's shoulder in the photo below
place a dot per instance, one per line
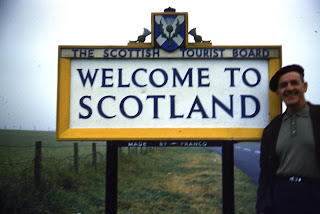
(274, 124)
(314, 107)
(277, 119)
(315, 112)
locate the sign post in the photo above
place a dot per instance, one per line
(227, 178)
(111, 178)
(166, 93)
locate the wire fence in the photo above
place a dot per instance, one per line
(46, 159)
(40, 160)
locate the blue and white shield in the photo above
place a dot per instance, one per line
(169, 31)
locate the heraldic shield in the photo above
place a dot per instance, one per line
(169, 31)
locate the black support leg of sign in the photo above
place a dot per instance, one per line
(111, 178)
(228, 178)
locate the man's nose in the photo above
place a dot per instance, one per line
(290, 86)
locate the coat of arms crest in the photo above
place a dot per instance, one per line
(169, 31)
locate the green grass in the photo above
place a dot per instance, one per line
(157, 180)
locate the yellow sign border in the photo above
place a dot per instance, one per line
(64, 132)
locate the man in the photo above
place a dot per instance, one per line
(289, 179)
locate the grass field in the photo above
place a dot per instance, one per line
(152, 180)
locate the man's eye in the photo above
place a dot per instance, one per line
(282, 85)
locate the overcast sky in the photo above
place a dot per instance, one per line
(31, 30)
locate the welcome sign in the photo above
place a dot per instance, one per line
(183, 91)
(169, 93)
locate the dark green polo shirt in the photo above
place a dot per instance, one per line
(296, 146)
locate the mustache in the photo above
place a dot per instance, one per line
(289, 93)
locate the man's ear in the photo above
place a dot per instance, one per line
(305, 85)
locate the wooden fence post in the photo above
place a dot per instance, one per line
(94, 156)
(37, 164)
(75, 157)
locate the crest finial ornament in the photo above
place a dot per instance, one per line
(169, 9)
(142, 37)
(197, 38)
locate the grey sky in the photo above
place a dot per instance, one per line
(31, 30)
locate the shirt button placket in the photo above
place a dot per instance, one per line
(293, 126)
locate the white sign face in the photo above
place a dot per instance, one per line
(169, 93)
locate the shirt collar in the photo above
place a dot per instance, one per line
(303, 112)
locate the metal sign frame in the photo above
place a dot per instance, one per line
(64, 132)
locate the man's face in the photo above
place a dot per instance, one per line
(291, 89)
